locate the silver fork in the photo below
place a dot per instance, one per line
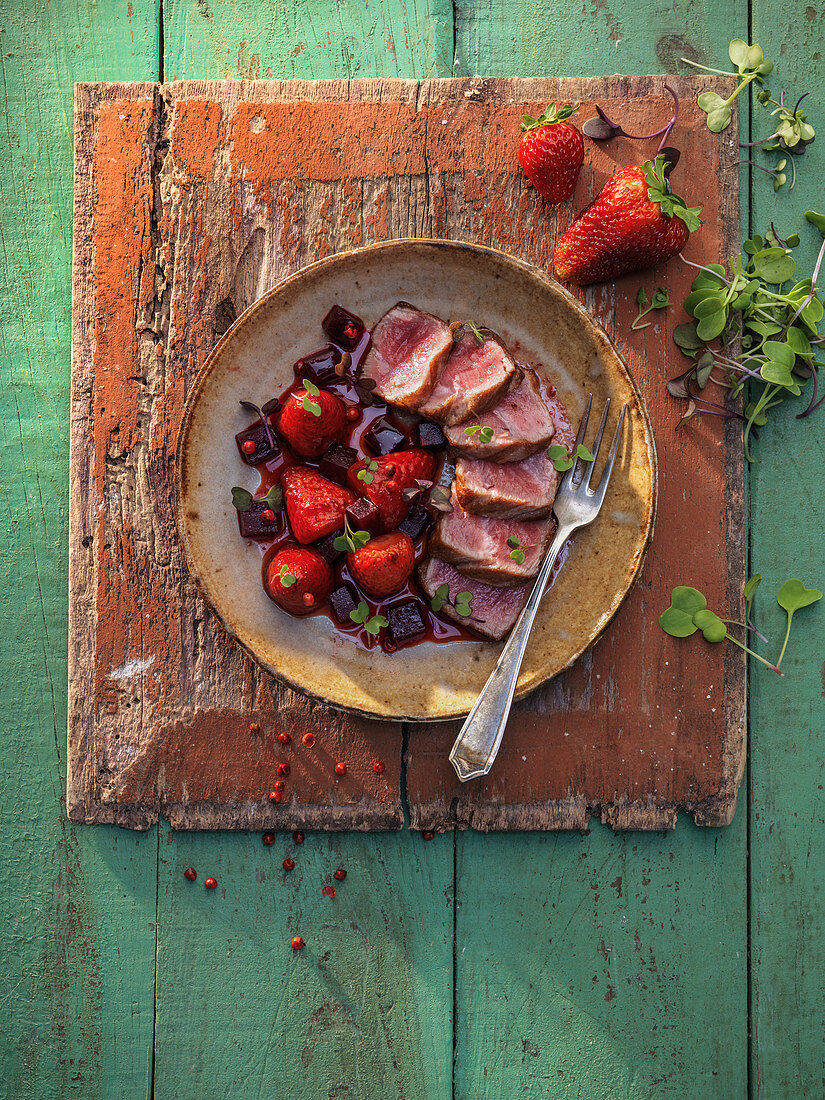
(577, 504)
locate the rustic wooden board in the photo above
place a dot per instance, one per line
(226, 187)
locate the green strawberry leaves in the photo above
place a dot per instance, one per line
(549, 115)
(660, 191)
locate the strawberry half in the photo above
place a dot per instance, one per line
(298, 579)
(311, 419)
(634, 222)
(551, 152)
(314, 506)
(384, 565)
(385, 484)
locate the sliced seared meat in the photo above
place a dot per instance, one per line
(406, 355)
(474, 379)
(521, 423)
(511, 490)
(477, 545)
(494, 610)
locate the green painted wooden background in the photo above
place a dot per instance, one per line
(687, 965)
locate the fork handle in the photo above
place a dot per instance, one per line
(476, 746)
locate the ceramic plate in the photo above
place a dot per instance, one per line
(254, 361)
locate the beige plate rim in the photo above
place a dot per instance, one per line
(202, 378)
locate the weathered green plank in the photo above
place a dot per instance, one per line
(788, 716)
(307, 39)
(362, 1011)
(365, 1010)
(607, 965)
(77, 939)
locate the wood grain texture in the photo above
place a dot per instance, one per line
(787, 805)
(77, 936)
(231, 197)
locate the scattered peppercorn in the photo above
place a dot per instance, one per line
(289, 864)
(378, 767)
(340, 874)
(340, 769)
(283, 769)
(190, 873)
(248, 446)
(268, 839)
(284, 738)
(298, 838)
(211, 883)
(279, 784)
(428, 834)
(308, 740)
(328, 891)
(274, 796)
(267, 516)
(296, 943)
(352, 412)
(254, 727)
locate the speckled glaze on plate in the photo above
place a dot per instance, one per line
(254, 360)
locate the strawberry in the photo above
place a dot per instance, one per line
(314, 506)
(385, 479)
(310, 419)
(635, 221)
(298, 579)
(551, 152)
(384, 565)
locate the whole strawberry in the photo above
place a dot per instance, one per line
(314, 506)
(311, 419)
(298, 579)
(551, 152)
(634, 222)
(384, 565)
(383, 481)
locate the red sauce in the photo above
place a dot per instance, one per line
(438, 627)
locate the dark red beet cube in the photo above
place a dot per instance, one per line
(363, 515)
(343, 327)
(263, 448)
(416, 521)
(326, 548)
(383, 438)
(319, 366)
(253, 525)
(336, 461)
(405, 621)
(430, 435)
(342, 602)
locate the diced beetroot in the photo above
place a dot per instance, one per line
(405, 621)
(430, 435)
(336, 461)
(256, 434)
(363, 515)
(342, 603)
(343, 327)
(415, 522)
(383, 438)
(254, 524)
(327, 549)
(319, 366)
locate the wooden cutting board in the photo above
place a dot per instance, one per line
(191, 200)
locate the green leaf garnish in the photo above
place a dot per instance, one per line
(241, 498)
(373, 625)
(660, 191)
(286, 578)
(548, 116)
(351, 540)
(367, 475)
(816, 219)
(310, 387)
(311, 406)
(660, 300)
(485, 434)
(792, 597)
(750, 65)
(463, 600)
(440, 597)
(563, 460)
(274, 499)
(361, 613)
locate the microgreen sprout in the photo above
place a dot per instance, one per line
(485, 434)
(243, 499)
(458, 329)
(750, 65)
(313, 391)
(689, 612)
(603, 128)
(766, 322)
(368, 474)
(286, 578)
(516, 553)
(461, 604)
(563, 459)
(660, 300)
(351, 540)
(439, 499)
(362, 615)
